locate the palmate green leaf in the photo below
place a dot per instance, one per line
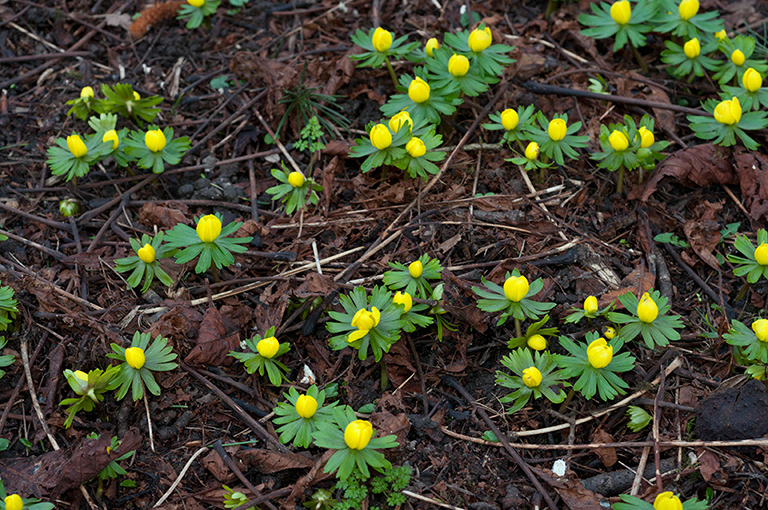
(742, 336)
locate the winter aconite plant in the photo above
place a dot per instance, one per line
(513, 299)
(414, 279)
(727, 123)
(380, 44)
(754, 262)
(16, 502)
(195, 11)
(535, 336)
(156, 147)
(145, 263)
(556, 138)
(139, 361)
(300, 417)
(73, 157)
(90, 387)
(532, 376)
(294, 189)
(752, 341)
(261, 357)
(621, 20)
(664, 501)
(648, 318)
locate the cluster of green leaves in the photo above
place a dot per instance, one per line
(551, 384)
(8, 311)
(294, 197)
(254, 361)
(493, 299)
(194, 12)
(28, 503)
(158, 357)
(355, 489)
(659, 332)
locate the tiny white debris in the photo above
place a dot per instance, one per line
(308, 377)
(272, 158)
(559, 467)
(463, 9)
(243, 345)
(343, 8)
(147, 69)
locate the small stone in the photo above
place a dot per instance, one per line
(736, 413)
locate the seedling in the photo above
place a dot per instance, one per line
(414, 278)
(122, 99)
(232, 498)
(649, 318)
(294, 189)
(261, 357)
(532, 376)
(138, 362)
(90, 387)
(301, 415)
(145, 264)
(638, 418)
(113, 469)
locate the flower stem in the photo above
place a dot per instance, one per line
(551, 6)
(639, 58)
(518, 329)
(215, 273)
(383, 378)
(567, 401)
(640, 175)
(391, 72)
(620, 183)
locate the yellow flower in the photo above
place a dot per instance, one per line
(728, 112)
(618, 140)
(557, 129)
(621, 12)
(358, 434)
(479, 40)
(296, 179)
(154, 139)
(415, 268)
(531, 377)
(111, 136)
(415, 147)
(397, 121)
(196, 3)
(382, 40)
(365, 320)
(646, 137)
(721, 35)
(688, 9)
(208, 228)
(692, 48)
(405, 299)
(76, 146)
(761, 254)
(752, 80)
(136, 96)
(86, 92)
(306, 406)
(147, 253)
(13, 502)
(268, 347)
(380, 136)
(737, 57)
(458, 65)
(537, 342)
(599, 353)
(418, 90)
(760, 327)
(609, 333)
(81, 378)
(647, 310)
(590, 305)
(532, 151)
(432, 45)
(509, 119)
(516, 288)
(134, 356)
(667, 501)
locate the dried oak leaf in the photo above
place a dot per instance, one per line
(575, 496)
(267, 461)
(163, 217)
(703, 234)
(218, 336)
(607, 455)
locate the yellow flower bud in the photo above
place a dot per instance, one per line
(397, 121)
(111, 136)
(69, 207)
(405, 299)
(688, 9)
(76, 146)
(296, 179)
(306, 406)
(721, 35)
(692, 48)
(667, 501)
(415, 269)
(147, 253)
(728, 112)
(618, 140)
(532, 151)
(479, 40)
(516, 288)
(531, 377)
(752, 80)
(509, 119)
(609, 333)
(136, 96)
(599, 353)
(268, 347)
(208, 228)
(537, 342)
(382, 40)
(557, 129)
(432, 45)
(81, 375)
(646, 137)
(737, 57)
(154, 139)
(761, 254)
(86, 92)
(358, 434)
(196, 3)
(458, 65)
(415, 147)
(647, 310)
(365, 320)
(81, 378)
(621, 12)
(13, 502)
(418, 90)
(134, 356)
(357, 335)
(760, 327)
(590, 305)
(380, 136)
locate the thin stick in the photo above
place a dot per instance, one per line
(639, 473)
(656, 420)
(430, 500)
(180, 477)
(277, 141)
(149, 424)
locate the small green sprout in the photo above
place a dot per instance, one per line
(84, 105)
(90, 387)
(439, 312)
(738, 52)
(69, 207)
(535, 336)
(420, 100)
(355, 444)
(513, 299)
(595, 365)
(209, 241)
(410, 316)
(16, 502)
(195, 11)
(301, 415)
(263, 351)
(232, 498)
(294, 189)
(684, 19)
(590, 309)
(153, 150)
(478, 46)
(691, 58)
(752, 341)
(9, 307)
(649, 318)
(6, 360)
(145, 264)
(556, 137)
(664, 501)
(73, 157)
(113, 469)
(515, 123)
(532, 376)
(322, 499)
(414, 279)
(638, 418)
(123, 100)
(138, 362)
(311, 136)
(620, 20)
(727, 123)
(754, 262)
(452, 73)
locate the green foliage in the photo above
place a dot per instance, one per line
(62, 162)
(423, 166)
(8, 307)
(494, 300)
(91, 392)
(158, 358)
(194, 16)
(390, 485)
(659, 332)
(638, 418)
(254, 361)
(375, 157)
(430, 110)
(728, 69)
(603, 26)
(233, 499)
(443, 83)
(520, 132)
(295, 427)
(113, 469)
(707, 128)
(322, 499)
(311, 136)
(6, 360)
(399, 277)
(669, 237)
(747, 265)
(491, 60)
(29, 503)
(551, 385)
(702, 25)
(555, 149)
(373, 58)
(142, 270)
(217, 252)
(439, 312)
(293, 198)
(675, 55)
(171, 153)
(746, 339)
(534, 329)
(635, 503)
(121, 99)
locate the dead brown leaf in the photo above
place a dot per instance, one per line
(607, 455)
(387, 423)
(216, 466)
(179, 322)
(703, 234)
(575, 496)
(268, 461)
(708, 465)
(218, 336)
(163, 217)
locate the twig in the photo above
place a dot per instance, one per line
(430, 500)
(277, 141)
(20, 384)
(149, 424)
(53, 253)
(640, 470)
(233, 467)
(180, 476)
(656, 420)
